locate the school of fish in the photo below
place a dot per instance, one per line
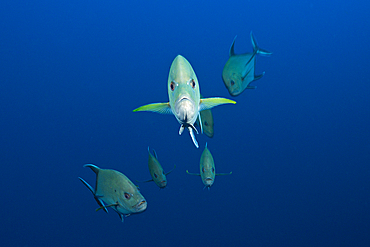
(114, 190)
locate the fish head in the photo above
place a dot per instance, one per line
(207, 168)
(131, 200)
(161, 183)
(208, 176)
(183, 91)
(159, 177)
(113, 187)
(156, 171)
(233, 82)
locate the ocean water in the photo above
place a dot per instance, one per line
(71, 72)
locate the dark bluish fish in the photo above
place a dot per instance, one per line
(207, 121)
(156, 171)
(207, 169)
(238, 72)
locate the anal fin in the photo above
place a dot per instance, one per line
(190, 128)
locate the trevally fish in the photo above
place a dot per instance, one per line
(207, 169)
(156, 171)
(117, 191)
(207, 121)
(184, 97)
(238, 72)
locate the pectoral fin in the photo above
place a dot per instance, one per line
(195, 174)
(209, 103)
(170, 171)
(162, 108)
(223, 174)
(110, 205)
(151, 180)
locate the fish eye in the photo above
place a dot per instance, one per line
(155, 175)
(203, 170)
(205, 123)
(232, 82)
(127, 195)
(213, 170)
(192, 83)
(172, 86)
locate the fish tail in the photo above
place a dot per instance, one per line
(257, 49)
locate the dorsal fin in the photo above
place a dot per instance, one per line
(231, 51)
(154, 153)
(93, 167)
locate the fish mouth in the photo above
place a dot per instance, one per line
(208, 181)
(185, 111)
(235, 91)
(183, 99)
(141, 206)
(163, 183)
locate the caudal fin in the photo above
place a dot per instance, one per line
(257, 49)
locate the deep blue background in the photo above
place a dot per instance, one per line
(71, 72)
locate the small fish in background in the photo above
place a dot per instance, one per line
(207, 169)
(184, 97)
(117, 191)
(238, 71)
(156, 171)
(207, 121)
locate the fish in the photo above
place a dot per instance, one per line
(184, 98)
(207, 169)
(238, 72)
(156, 171)
(117, 191)
(207, 122)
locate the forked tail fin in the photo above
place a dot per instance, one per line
(257, 49)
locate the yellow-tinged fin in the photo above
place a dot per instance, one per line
(111, 205)
(162, 108)
(195, 174)
(209, 103)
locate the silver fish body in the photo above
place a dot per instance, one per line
(117, 191)
(184, 97)
(207, 169)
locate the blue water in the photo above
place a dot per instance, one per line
(71, 72)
